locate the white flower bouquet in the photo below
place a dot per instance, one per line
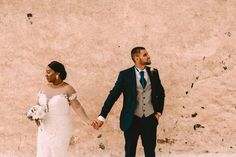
(36, 113)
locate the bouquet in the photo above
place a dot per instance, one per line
(36, 113)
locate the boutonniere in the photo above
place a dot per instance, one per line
(152, 70)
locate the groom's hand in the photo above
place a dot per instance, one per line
(97, 124)
(158, 115)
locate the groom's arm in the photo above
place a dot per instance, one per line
(113, 96)
(160, 94)
(109, 102)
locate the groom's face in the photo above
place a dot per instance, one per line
(143, 58)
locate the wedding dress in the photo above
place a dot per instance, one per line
(55, 130)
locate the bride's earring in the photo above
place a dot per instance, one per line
(57, 77)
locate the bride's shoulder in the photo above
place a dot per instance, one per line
(70, 89)
(71, 92)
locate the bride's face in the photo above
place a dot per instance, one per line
(50, 75)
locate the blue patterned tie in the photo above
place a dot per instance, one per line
(142, 79)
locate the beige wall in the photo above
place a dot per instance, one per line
(190, 42)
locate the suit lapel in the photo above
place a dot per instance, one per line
(133, 80)
(150, 75)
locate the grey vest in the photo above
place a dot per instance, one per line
(144, 100)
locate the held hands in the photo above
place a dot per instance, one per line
(96, 124)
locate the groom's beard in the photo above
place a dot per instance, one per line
(148, 62)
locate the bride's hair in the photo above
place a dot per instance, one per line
(58, 67)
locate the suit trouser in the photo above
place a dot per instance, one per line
(146, 128)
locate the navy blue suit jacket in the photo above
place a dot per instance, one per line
(126, 84)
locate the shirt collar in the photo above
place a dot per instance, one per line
(139, 70)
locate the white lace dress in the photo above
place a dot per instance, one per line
(55, 132)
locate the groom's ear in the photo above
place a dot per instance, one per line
(136, 58)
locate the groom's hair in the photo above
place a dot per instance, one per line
(135, 51)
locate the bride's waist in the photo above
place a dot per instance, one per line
(49, 114)
(57, 117)
(57, 121)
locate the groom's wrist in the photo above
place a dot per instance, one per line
(101, 118)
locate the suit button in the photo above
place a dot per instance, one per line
(143, 97)
(143, 104)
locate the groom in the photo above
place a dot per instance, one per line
(142, 105)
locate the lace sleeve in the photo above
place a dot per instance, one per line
(73, 96)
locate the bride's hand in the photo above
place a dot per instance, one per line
(88, 121)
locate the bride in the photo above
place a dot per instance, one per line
(57, 97)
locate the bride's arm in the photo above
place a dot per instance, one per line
(78, 108)
(76, 105)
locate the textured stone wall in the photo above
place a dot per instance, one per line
(192, 43)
